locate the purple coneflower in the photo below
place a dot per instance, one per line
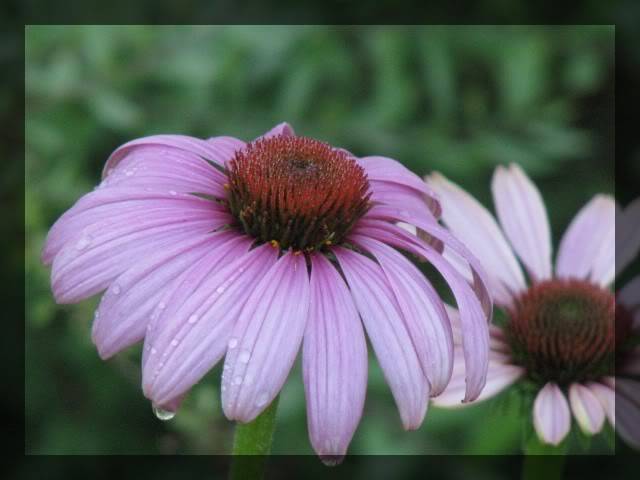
(564, 333)
(248, 251)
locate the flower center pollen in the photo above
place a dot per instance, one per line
(296, 192)
(566, 330)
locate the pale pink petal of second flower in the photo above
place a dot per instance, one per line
(587, 247)
(586, 408)
(523, 217)
(551, 414)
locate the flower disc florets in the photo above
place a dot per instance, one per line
(565, 330)
(296, 192)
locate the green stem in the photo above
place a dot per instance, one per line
(252, 445)
(543, 461)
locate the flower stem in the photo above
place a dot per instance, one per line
(252, 445)
(543, 461)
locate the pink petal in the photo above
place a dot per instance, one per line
(105, 251)
(388, 333)
(497, 342)
(191, 334)
(156, 168)
(334, 362)
(401, 196)
(122, 317)
(524, 219)
(627, 235)
(587, 409)
(229, 144)
(422, 311)
(551, 415)
(281, 129)
(268, 332)
(382, 169)
(470, 221)
(455, 247)
(499, 377)
(119, 205)
(587, 247)
(607, 398)
(215, 151)
(473, 317)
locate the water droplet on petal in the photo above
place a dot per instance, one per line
(153, 351)
(193, 319)
(128, 173)
(162, 305)
(262, 399)
(173, 193)
(233, 343)
(84, 242)
(116, 289)
(174, 342)
(162, 414)
(237, 380)
(244, 356)
(220, 289)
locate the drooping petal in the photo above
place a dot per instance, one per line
(607, 398)
(387, 170)
(281, 129)
(334, 362)
(627, 235)
(587, 248)
(497, 341)
(551, 415)
(422, 311)
(499, 377)
(586, 408)
(268, 333)
(455, 247)
(473, 316)
(191, 333)
(105, 251)
(389, 337)
(469, 220)
(523, 217)
(125, 309)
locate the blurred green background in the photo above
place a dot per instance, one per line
(459, 100)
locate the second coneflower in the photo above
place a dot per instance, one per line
(248, 251)
(566, 334)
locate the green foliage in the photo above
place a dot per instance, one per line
(460, 100)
